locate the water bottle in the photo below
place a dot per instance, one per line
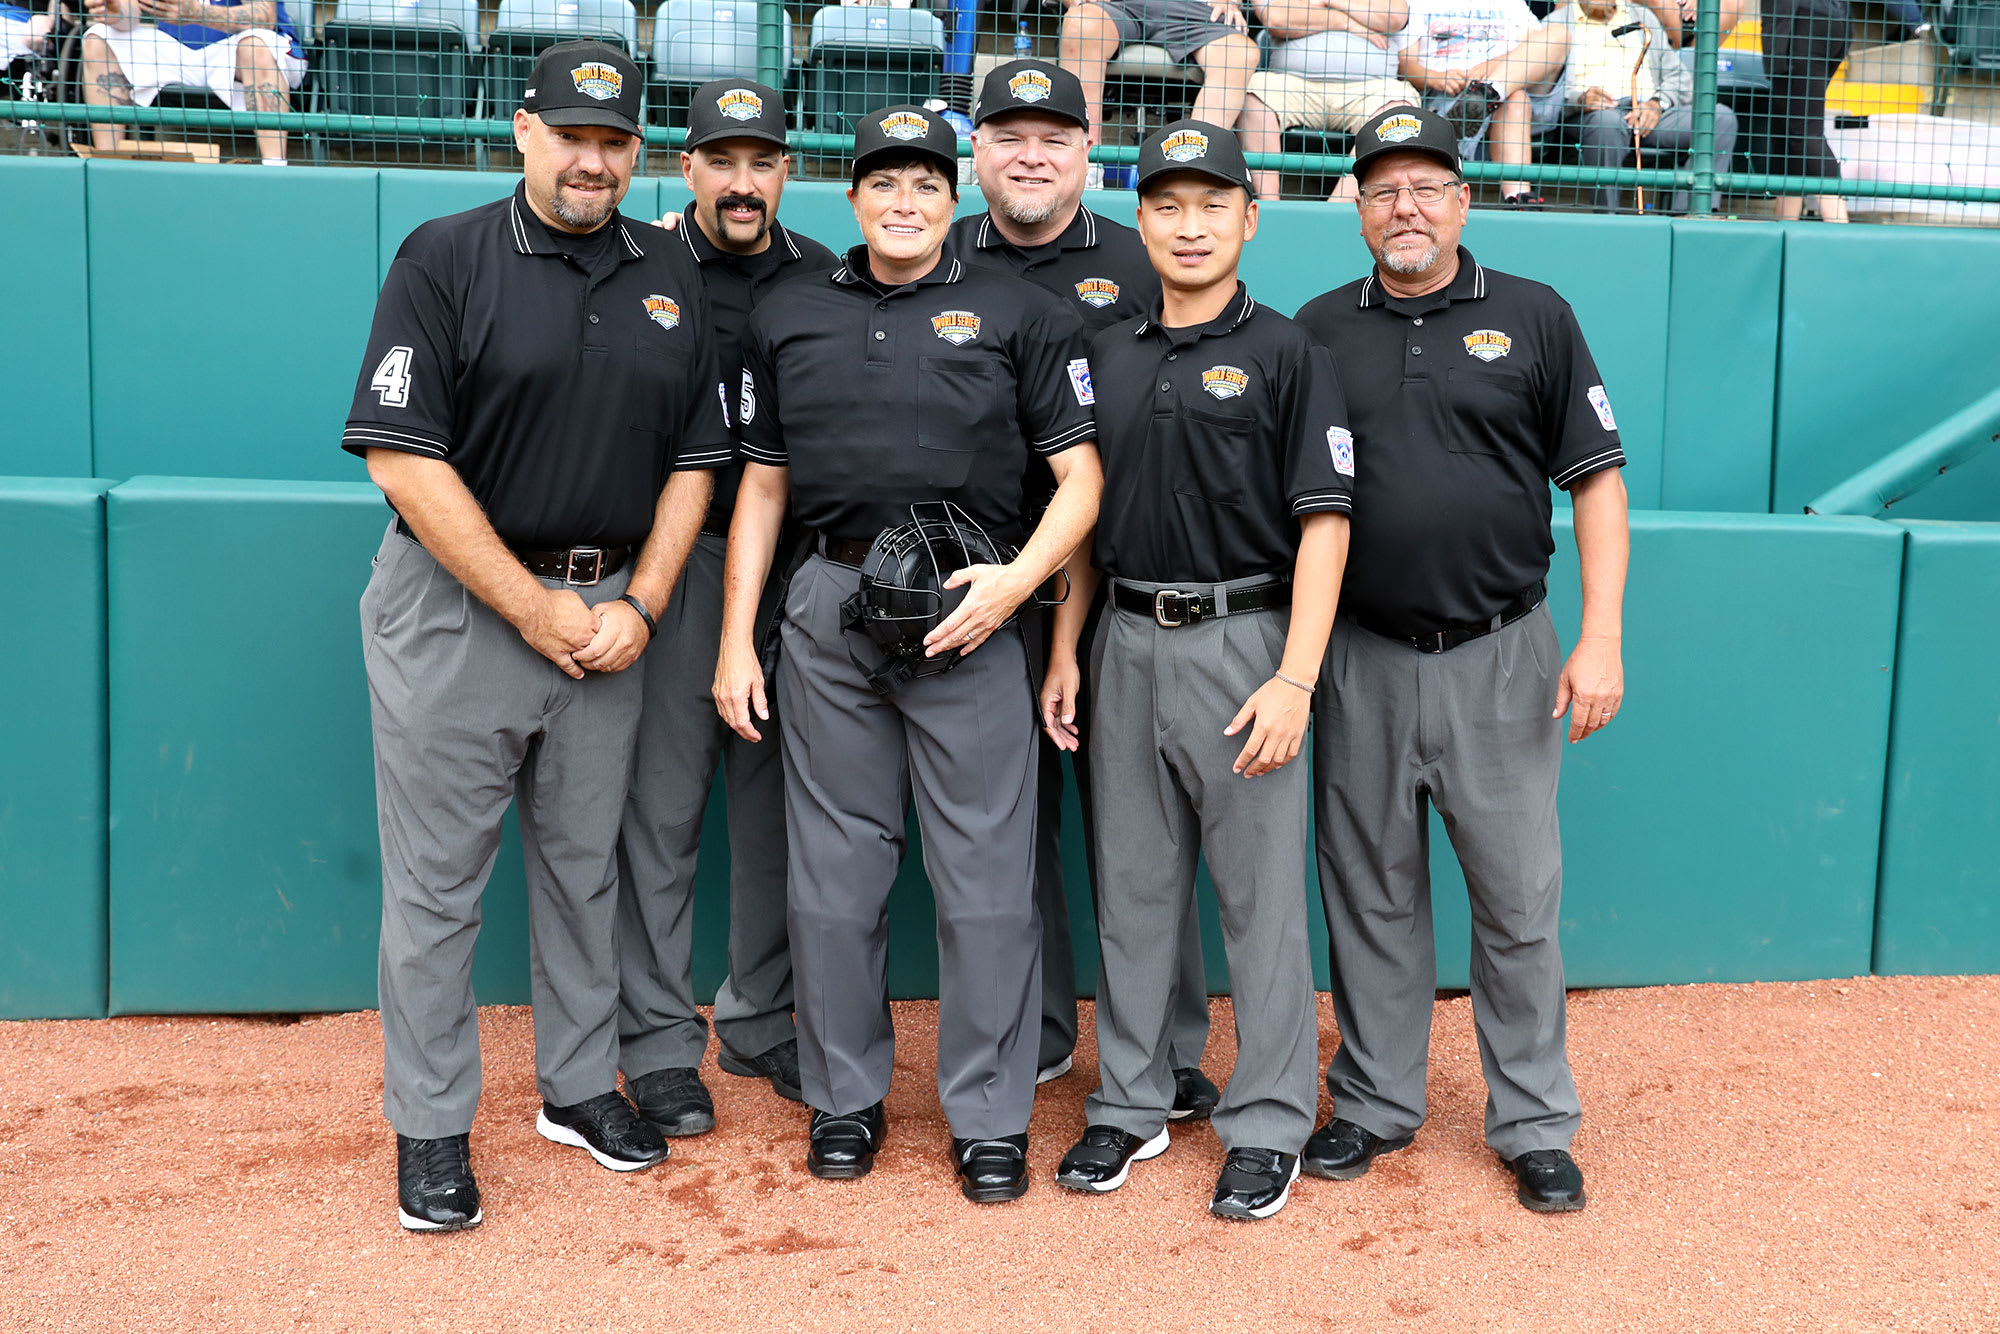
(962, 124)
(1024, 45)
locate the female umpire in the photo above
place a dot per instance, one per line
(905, 378)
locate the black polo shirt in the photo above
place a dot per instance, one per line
(1215, 438)
(879, 397)
(1469, 401)
(563, 378)
(1096, 266)
(735, 284)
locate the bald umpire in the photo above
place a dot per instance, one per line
(735, 162)
(539, 401)
(1031, 151)
(1471, 392)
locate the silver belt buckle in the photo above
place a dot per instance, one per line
(595, 555)
(1180, 612)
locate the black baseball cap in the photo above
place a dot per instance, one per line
(585, 83)
(1405, 129)
(1194, 145)
(905, 128)
(1031, 85)
(735, 109)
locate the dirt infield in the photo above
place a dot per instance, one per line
(1807, 1156)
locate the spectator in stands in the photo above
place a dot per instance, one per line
(246, 52)
(1488, 63)
(1214, 35)
(22, 33)
(1804, 43)
(1677, 18)
(1616, 96)
(1330, 69)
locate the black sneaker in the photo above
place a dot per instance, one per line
(434, 1186)
(1255, 1183)
(1103, 1158)
(608, 1128)
(843, 1147)
(1195, 1095)
(991, 1171)
(1527, 201)
(780, 1065)
(1551, 1182)
(674, 1100)
(1342, 1151)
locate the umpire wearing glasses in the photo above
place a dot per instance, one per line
(1443, 682)
(906, 379)
(538, 402)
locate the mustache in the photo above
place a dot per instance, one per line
(584, 178)
(739, 201)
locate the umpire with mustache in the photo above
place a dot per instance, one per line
(735, 162)
(1469, 392)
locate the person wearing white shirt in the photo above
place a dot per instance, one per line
(1491, 63)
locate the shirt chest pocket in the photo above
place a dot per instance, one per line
(659, 379)
(1216, 455)
(1484, 410)
(962, 405)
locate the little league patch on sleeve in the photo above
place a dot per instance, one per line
(1602, 403)
(1079, 382)
(1341, 441)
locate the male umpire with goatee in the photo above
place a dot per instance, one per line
(1031, 152)
(1444, 684)
(539, 403)
(734, 160)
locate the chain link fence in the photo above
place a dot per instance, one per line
(1869, 109)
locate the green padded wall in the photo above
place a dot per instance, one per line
(409, 197)
(45, 342)
(1722, 365)
(1968, 493)
(228, 312)
(245, 865)
(1725, 828)
(1887, 331)
(52, 740)
(1939, 910)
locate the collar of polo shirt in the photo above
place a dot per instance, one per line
(705, 250)
(1240, 308)
(1081, 234)
(854, 269)
(1468, 284)
(532, 236)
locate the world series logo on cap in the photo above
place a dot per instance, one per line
(1030, 85)
(663, 311)
(1398, 128)
(1225, 381)
(1098, 292)
(905, 125)
(740, 104)
(1184, 146)
(1488, 344)
(957, 327)
(598, 81)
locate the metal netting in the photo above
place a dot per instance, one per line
(1883, 109)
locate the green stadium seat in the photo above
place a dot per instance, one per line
(414, 59)
(860, 57)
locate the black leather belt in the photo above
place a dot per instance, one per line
(1440, 641)
(715, 525)
(579, 567)
(1172, 608)
(845, 550)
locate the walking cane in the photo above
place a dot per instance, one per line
(1638, 157)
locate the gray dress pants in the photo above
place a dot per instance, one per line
(1469, 731)
(467, 718)
(1188, 1033)
(962, 744)
(1607, 142)
(682, 741)
(1166, 795)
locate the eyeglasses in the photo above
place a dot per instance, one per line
(1424, 192)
